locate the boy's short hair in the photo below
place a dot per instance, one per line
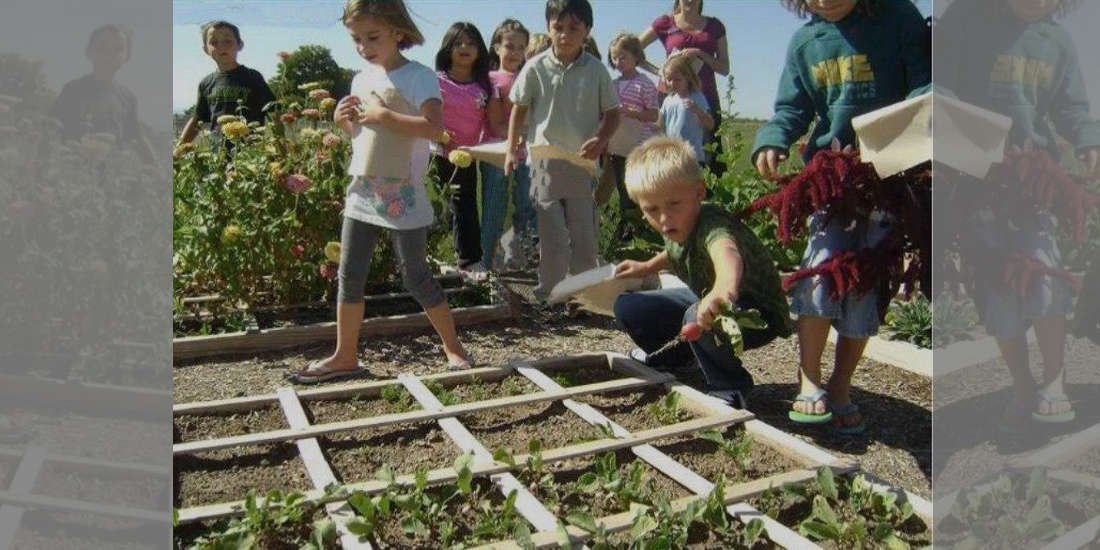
(581, 9)
(121, 30)
(661, 162)
(220, 24)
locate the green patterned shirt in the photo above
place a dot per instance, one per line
(760, 286)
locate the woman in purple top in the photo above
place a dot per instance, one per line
(686, 30)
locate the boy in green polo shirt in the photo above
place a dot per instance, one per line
(719, 258)
(566, 92)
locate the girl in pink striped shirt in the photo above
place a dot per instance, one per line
(462, 65)
(638, 97)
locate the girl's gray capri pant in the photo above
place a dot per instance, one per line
(357, 242)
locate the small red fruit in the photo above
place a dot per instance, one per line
(691, 332)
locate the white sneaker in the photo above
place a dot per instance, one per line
(475, 272)
(638, 354)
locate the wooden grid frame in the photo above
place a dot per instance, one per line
(1068, 447)
(20, 494)
(710, 412)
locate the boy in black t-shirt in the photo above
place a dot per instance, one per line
(232, 85)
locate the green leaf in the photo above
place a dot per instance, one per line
(588, 482)
(175, 517)
(413, 526)
(359, 527)
(818, 530)
(892, 542)
(827, 482)
(824, 512)
(713, 436)
(643, 523)
(564, 540)
(385, 473)
(522, 535)
(534, 446)
(584, 520)
(1037, 483)
(324, 533)
(502, 455)
(465, 475)
(754, 529)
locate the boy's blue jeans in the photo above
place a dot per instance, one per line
(654, 317)
(494, 207)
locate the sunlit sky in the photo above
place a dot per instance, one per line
(757, 33)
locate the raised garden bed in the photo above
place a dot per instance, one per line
(560, 490)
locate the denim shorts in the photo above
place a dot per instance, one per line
(853, 316)
(1004, 312)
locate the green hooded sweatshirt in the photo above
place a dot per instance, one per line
(837, 71)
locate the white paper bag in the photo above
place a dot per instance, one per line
(595, 289)
(969, 138)
(492, 152)
(896, 137)
(547, 151)
(626, 137)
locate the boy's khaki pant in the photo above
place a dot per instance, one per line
(567, 240)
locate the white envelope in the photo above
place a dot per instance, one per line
(896, 137)
(492, 152)
(626, 137)
(547, 151)
(595, 289)
(969, 138)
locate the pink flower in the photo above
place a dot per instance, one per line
(329, 270)
(288, 117)
(283, 56)
(323, 155)
(330, 140)
(297, 183)
(319, 93)
(297, 250)
(311, 113)
(396, 208)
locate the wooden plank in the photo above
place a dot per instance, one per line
(779, 533)
(526, 504)
(621, 522)
(192, 347)
(896, 353)
(356, 389)
(446, 475)
(23, 481)
(80, 397)
(695, 400)
(91, 465)
(406, 417)
(319, 470)
(1076, 478)
(96, 508)
(1066, 447)
(1080, 537)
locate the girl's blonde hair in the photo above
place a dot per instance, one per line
(390, 12)
(538, 44)
(682, 64)
(628, 42)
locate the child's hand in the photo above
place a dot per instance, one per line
(375, 111)
(712, 305)
(631, 268)
(509, 162)
(593, 147)
(767, 162)
(1091, 159)
(347, 110)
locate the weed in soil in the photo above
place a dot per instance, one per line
(638, 410)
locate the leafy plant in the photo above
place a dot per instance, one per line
(667, 410)
(853, 515)
(607, 481)
(445, 396)
(1016, 511)
(911, 321)
(739, 449)
(277, 517)
(953, 319)
(512, 386)
(397, 397)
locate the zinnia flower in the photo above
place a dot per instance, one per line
(461, 159)
(308, 133)
(311, 113)
(183, 149)
(332, 251)
(319, 93)
(298, 183)
(288, 117)
(226, 119)
(330, 140)
(231, 233)
(327, 104)
(283, 55)
(323, 154)
(309, 86)
(235, 130)
(329, 270)
(297, 250)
